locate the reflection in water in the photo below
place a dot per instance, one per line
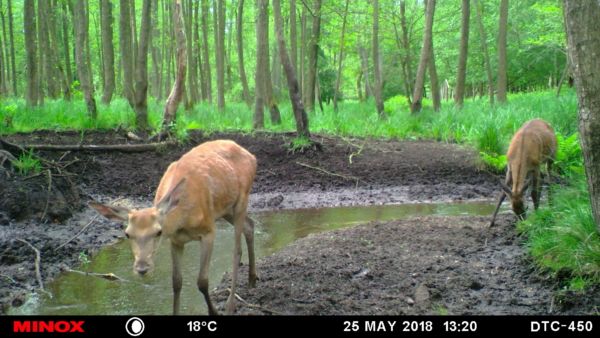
(79, 294)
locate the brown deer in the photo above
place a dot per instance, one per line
(211, 181)
(531, 146)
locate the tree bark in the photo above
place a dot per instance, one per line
(206, 49)
(364, 64)
(31, 52)
(126, 49)
(502, 30)
(177, 90)
(192, 80)
(270, 99)
(5, 68)
(81, 37)
(42, 35)
(293, 36)
(65, 31)
(461, 74)
(198, 52)
(583, 36)
(141, 70)
(155, 53)
(303, 45)
(108, 52)
(259, 81)
(300, 115)
(433, 77)
(484, 49)
(12, 48)
(376, 61)
(417, 103)
(407, 60)
(338, 78)
(240, 51)
(313, 56)
(220, 48)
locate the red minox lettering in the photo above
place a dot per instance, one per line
(48, 326)
(19, 326)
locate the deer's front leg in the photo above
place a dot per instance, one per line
(176, 253)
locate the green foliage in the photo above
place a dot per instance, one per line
(495, 162)
(568, 156)
(27, 164)
(563, 238)
(298, 144)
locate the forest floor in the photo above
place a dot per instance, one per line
(425, 265)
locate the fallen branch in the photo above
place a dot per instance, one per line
(128, 148)
(256, 306)
(347, 177)
(38, 258)
(78, 233)
(108, 276)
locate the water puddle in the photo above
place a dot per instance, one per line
(76, 294)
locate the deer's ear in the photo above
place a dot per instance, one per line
(506, 189)
(171, 199)
(111, 212)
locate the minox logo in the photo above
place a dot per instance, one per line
(41, 326)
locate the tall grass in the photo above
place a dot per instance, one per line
(563, 238)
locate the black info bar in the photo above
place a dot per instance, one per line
(330, 326)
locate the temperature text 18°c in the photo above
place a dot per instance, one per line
(198, 326)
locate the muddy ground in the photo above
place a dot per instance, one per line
(413, 267)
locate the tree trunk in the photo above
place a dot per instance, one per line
(62, 79)
(459, 94)
(364, 62)
(303, 44)
(259, 80)
(417, 103)
(270, 99)
(192, 80)
(293, 36)
(407, 59)
(31, 52)
(338, 78)
(81, 36)
(12, 48)
(376, 61)
(433, 77)
(502, 30)
(220, 48)
(240, 51)
(42, 35)
(126, 49)
(5, 69)
(107, 51)
(484, 49)
(206, 49)
(177, 91)
(583, 35)
(155, 53)
(65, 31)
(294, 90)
(313, 55)
(198, 52)
(141, 70)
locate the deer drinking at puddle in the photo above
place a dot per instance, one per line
(211, 181)
(531, 146)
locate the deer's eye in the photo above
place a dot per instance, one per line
(159, 233)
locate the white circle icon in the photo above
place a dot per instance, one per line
(134, 326)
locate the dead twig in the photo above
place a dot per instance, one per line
(108, 276)
(346, 177)
(131, 148)
(38, 258)
(256, 306)
(78, 233)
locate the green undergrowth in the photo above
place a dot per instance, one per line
(563, 238)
